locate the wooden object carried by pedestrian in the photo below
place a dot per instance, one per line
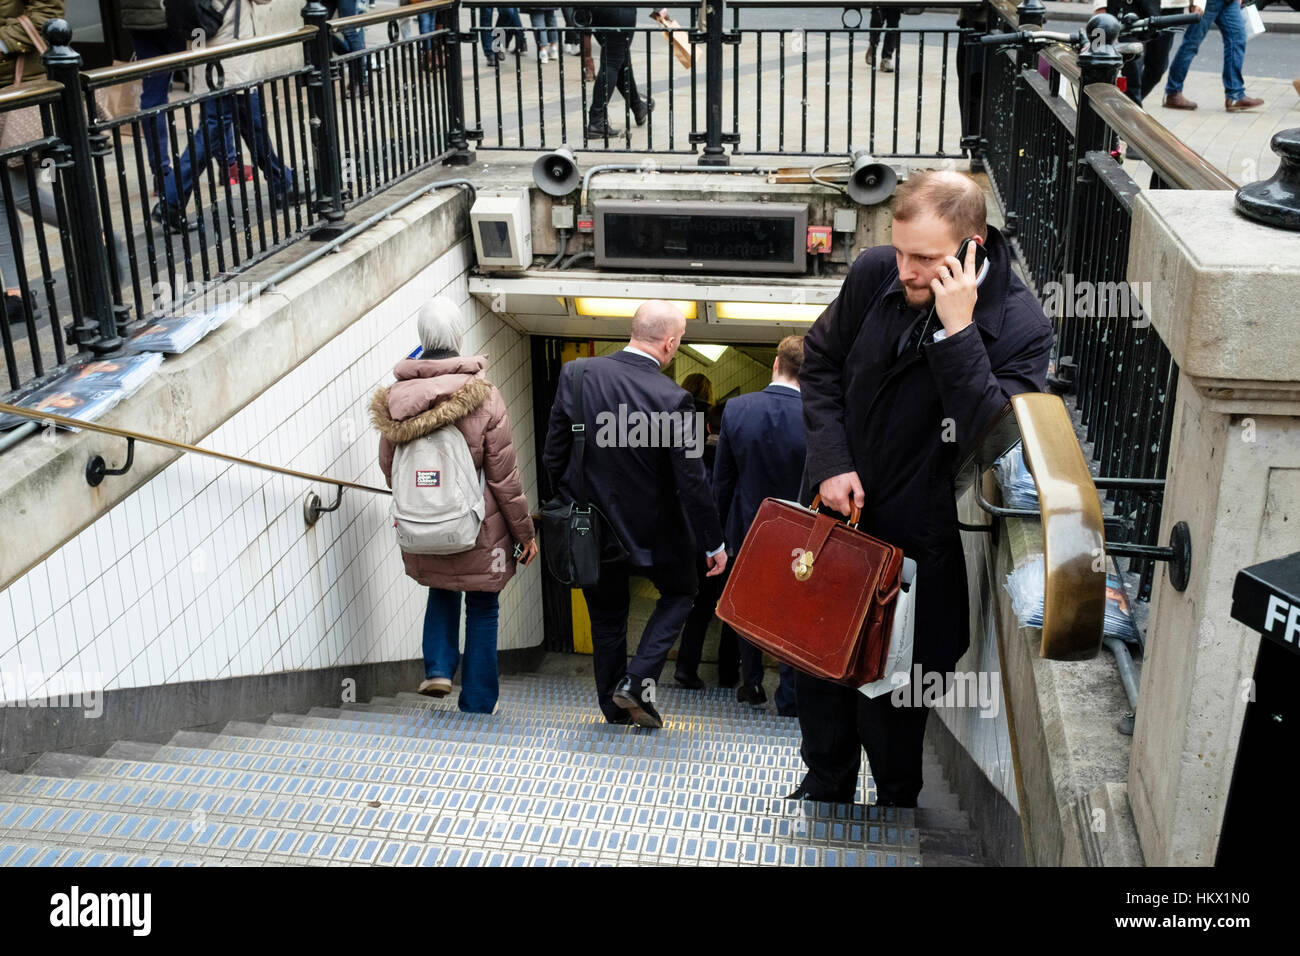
(676, 35)
(814, 592)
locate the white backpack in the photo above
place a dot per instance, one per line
(438, 504)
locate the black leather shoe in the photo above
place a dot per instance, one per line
(640, 115)
(601, 130)
(689, 681)
(172, 216)
(798, 793)
(751, 695)
(286, 197)
(638, 701)
(622, 718)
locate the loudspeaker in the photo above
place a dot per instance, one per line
(556, 174)
(871, 181)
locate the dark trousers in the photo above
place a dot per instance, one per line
(1143, 74)
(239, 111)
(886, 17)
(615, 70)
(153, 92)
(608, 603)
(691, 647)
(970, 87)
(838, 722)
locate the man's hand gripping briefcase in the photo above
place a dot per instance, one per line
(814, 592)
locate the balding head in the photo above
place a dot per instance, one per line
(657, 329)
(953, 197)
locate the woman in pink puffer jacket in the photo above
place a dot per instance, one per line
(442, 388)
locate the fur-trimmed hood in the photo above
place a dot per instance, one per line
(428, 394)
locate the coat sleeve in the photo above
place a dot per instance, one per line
(12, 34)
(972, 390)
(559, 439)
(724, 470)
(386, 459)
(501, 471)
(693, 485)
(821, 380)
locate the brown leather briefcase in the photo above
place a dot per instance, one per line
(814, 592)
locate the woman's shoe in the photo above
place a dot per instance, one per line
(436, 687)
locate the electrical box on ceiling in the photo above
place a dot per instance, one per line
(503, 232)
(701, 236)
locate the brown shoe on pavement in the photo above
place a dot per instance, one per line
(1245, 103)
(1296, 84)
(1176, 101)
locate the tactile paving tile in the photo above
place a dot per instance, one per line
(406, 781)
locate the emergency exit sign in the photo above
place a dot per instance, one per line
(1266, 597)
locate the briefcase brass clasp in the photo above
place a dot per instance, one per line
(803, 568)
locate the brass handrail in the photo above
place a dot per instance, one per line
(14, 97)
(181, 446)
(108, 75)
(1074, 592)
(1166, 153)
(380, 16)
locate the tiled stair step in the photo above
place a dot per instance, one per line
(611, 737)
(359, 781)
(387, 765)
(747, 721)
(217, 792)
(596, 738)
(18, 853)
(679, 707)
(808, 835)
(710, 770)
(686, 775)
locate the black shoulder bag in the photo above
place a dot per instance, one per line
(576, 537)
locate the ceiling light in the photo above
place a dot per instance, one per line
(623, 308)
(787, 312)
(710, 352)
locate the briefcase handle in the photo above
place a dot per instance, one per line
(853, 518)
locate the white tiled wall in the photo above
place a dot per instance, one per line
(208, 571)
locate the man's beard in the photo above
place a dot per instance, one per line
(925, 300)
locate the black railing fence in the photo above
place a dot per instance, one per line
(795, 78)
(127, 214)
(1049, 127)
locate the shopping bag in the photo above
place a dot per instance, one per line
(1254, 22)
(676, 35)
(898, 659)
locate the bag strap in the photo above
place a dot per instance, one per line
(33, 34)
(578, 429)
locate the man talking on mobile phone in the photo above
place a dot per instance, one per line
(914, 358)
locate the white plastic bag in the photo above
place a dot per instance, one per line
(898, 662)
(1254, 22)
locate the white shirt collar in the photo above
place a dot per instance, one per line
(628, 348)
(793, 388)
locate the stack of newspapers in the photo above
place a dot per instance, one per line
(87, 391)
(1026, 584)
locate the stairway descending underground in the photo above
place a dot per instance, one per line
(411, 781)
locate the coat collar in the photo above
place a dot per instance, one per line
(991, 302)
(635, 358)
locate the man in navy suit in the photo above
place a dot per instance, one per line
(643, 470)
(761, 455)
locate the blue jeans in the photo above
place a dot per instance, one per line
(1227, 14)
(353, 40)
(478, 680)
(221, 116)
(544, 27)
(507, 15)
(153, 92)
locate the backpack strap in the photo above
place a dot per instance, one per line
(578, 428)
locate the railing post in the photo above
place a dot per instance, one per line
(457, 135)
(96, 328)
(714, 155)
(323, 108)
(1100, 62)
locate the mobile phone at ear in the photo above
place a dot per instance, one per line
(981, 258)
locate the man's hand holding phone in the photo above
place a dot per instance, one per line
(956, 288)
